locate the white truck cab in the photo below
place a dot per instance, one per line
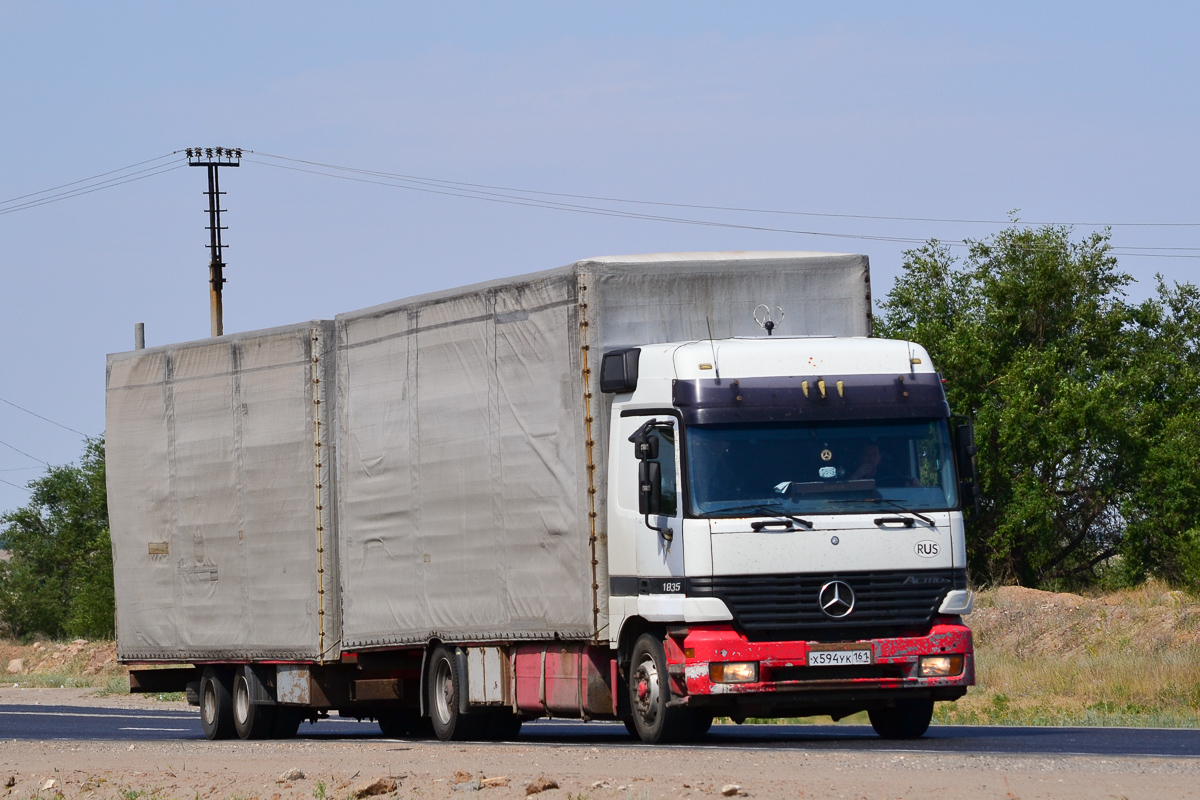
(800, 499)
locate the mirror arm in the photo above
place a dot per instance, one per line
(665, 532)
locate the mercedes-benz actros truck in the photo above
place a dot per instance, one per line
(657, 489)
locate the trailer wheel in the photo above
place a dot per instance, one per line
(907, 719)
(216, 705)
(249, 720)
(649, 693)
(445, 685)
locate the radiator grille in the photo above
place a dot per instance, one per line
(785, 605)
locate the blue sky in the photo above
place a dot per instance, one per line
(1077, 112)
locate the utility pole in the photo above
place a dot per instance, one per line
(214, 158)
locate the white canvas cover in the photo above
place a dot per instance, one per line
(472, 432)
(220, 499)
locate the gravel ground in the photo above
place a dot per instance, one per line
(244, 770)
(340, 770)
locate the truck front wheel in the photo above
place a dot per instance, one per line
(650, 692)
(445, 685)
(216, 705)
(907, 719)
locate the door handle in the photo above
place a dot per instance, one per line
(759, 524)
(905, 521)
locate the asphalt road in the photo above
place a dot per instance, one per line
(81, 723)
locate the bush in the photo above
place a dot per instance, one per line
(59, 580)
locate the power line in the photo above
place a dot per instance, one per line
(534, 203)
(22, 452)
(94, 188)
(432, 187)
(25, 489)
(601, 198)
(84, 180)
(536, 198)
(39, 416)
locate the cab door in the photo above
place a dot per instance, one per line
(658, 553)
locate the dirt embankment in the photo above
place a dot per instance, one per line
(1149, 620)
(69, 664)
(1123, 658)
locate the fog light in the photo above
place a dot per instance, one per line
(737, 672)
(939, 666)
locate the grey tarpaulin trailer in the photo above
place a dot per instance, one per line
(461, 500)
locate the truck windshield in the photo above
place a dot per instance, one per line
(747, 469)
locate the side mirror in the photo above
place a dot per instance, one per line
(965, 452)
(645, 447)
(649, 488)
(619, 370)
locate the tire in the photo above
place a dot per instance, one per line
(250, 721)
(650, 692)
(629, 726)
(701, 722)
(216, 705)
(907, 719)
(445, 686)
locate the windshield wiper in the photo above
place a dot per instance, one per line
(903, 510)
(767, 511)
(896, 506)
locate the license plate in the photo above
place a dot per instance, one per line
(841, 657)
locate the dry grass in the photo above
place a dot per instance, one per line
(1126, 658)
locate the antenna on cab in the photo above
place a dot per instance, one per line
(764, 315)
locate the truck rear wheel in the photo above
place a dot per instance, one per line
(249, 720)
(445, 686)
(907, 719)
(650, 692)
(216, 705)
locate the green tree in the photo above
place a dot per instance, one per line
(1084, 404)
(59, 580)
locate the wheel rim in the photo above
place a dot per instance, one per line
(646, 690)
(210, 703)
(443, 690)
(241, 702)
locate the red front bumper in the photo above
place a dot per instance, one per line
(784, 675)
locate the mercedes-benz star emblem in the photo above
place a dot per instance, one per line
(836, 599)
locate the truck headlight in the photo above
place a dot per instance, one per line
(734, 672)
(939, 666)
